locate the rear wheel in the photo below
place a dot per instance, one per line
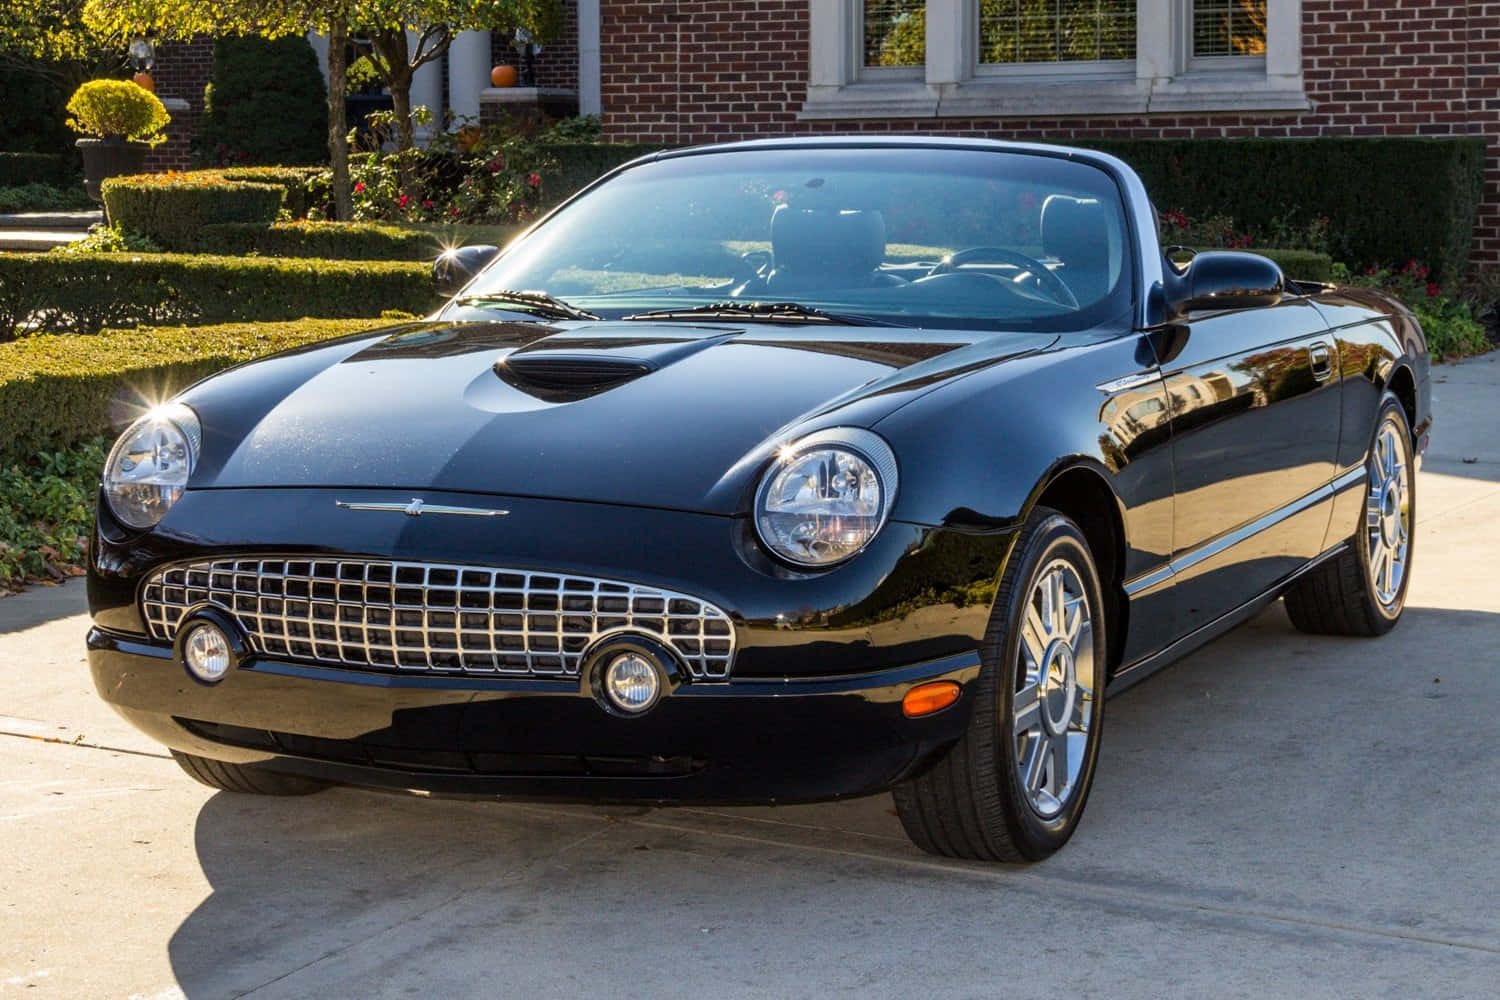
(1013, 788)
(1363, 590)
(247, 780)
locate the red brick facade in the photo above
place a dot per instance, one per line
(557, 64)
(182, 71)
(684, 71)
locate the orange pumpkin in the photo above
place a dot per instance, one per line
(503, 76)
(144, 81)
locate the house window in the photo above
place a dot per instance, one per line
(895, 34)
(1229, 28)
(1056, 31)
(890, 59)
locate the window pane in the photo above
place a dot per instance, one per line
(1229, 28)
(895, 32)
(1046, 31)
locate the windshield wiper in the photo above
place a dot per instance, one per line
(766, 312)
(538, 302)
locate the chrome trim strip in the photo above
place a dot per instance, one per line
(1187, 560)
(1130, 381)
(418, 507)
(1354, 477)
(392, 616)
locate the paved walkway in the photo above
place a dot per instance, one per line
(1278, 815)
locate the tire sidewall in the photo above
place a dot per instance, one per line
(1056, 537)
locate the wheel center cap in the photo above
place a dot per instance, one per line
(1059, 687)
(1390, 513)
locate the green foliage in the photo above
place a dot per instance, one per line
(58, 390)
(49, 31)
(170, 208)
(579, 128)
(1452, 329)
(110, 239)
(361, 77)
(104, 108)
(43, 198)
(1300, 265)
(301, 184)
(17, 169)
(265, 104)
(1364, 188)
(46, 509)
(50, 292)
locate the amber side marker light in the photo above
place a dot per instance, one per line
(924, 699)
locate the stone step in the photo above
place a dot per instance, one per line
(37, 240)
(32, 221)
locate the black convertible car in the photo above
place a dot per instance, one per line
(767, 472)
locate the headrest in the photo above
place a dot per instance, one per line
(827, 241)
(1074, 229)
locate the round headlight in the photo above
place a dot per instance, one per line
(149, 466)
(826, 496)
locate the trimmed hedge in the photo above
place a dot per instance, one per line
(299, 182)
(341, 240)
(57, 391)
(1298, 265)
(1388, 200)
(17, 169)
(171, 208)
(48, 292)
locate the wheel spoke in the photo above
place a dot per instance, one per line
(1082, 710)
(1059, 604)
(1033, 641)
(1388, 581)
(1057, 771)
(1026, 710)
(1032, 770)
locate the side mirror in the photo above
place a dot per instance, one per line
(1224, 279)
(453, 268)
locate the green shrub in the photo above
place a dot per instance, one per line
(170, 208)
(57, 391)
(19, 169)
(46, 509)
(266, 104)
(104, 108)
(1386, 200)
(337, 240)
(1300, 265)
(52, 292)
(302, 184)
(1452, 329)
(110, 239)
(35, 197)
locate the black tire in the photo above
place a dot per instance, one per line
(971, 803)
(245, 780)
(1342, 596)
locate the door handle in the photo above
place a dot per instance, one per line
(1321, 355)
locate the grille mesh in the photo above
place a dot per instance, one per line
(434, 618)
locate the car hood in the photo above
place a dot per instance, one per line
(626, 412)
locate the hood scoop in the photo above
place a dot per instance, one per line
(564, 378)
(565, 369)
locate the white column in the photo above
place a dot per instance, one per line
(319, 45)
(950, 41)
(468, 74)
(590, 94)
(427, 91)
(1159, 29)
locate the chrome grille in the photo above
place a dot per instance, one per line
(432, 617)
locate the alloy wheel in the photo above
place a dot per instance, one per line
(1388, 514)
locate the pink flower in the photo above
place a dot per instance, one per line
(426, 202)
(534, 180)
(401, 202)
(453, 210)
(496, 165)
(1433, 291)
(359, 186)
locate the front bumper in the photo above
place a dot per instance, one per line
(745, 741)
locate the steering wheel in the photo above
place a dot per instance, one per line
(1043, 280)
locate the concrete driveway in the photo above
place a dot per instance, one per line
(1278, 815)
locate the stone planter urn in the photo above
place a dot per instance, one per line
(111, 156)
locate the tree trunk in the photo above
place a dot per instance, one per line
(395, 53)
(338, 124)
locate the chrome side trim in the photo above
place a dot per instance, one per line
(1354, 477)
(1148, 582)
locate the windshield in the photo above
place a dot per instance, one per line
(910, 236)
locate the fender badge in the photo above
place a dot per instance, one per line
(418, 507)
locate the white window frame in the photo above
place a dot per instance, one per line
(1163, 77)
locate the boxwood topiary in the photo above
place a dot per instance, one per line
(171, 207)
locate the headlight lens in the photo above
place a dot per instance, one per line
(149, 466)
(826, 496)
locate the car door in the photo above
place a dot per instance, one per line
(1255, 413)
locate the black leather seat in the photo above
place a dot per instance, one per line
(1075, 232)
(816, 249)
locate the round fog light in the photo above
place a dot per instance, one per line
(631, 683)
(206, 653)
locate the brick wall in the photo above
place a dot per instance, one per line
(182, 70)
(683, 71)
(557, 63)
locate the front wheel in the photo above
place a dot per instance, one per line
(1014, 786)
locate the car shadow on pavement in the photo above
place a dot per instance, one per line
(1270, 772)
(42, 603)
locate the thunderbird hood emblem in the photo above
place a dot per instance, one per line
(417, 507)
